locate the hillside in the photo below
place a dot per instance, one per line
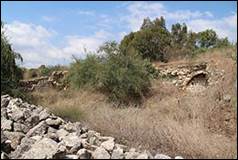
(196, 121)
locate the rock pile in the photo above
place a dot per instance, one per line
(30, 132)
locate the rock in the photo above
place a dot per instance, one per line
(61, 133)
(75, 148)
(39, 129)
(178, 157)
(71, 156)
(61, 152)
(5, 145)
(142, 156)
(43, 149)
(100, 153)
(131, 155)
(27, 113)
(108, 145)
(53, 136)
(37, 138)
(43, 115)
(4, 155)
(54, 122)
(22, 148)
(16, 114)
(71, 140)
(33, 119)
(18, 127)
(14, 137)
(83, 154)
(6, 125)
(4, 101)
(117, 154)
(73, 127)
(161, 156)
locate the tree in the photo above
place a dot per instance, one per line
(152, 41)
(10, 72)
(207, 38)
(222, 42)
(146, 23)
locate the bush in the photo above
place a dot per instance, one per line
(48, 70)
(85, 72)
(123, 77)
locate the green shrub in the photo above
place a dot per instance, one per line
(125, 78)
(85, 72)
(48, 70)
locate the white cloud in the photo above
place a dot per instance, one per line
(225, 27)
(33, 43)
(76, 45)
(140, 10)
(196, 20)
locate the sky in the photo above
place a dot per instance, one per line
(51, 32)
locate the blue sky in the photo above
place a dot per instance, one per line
(51, 32)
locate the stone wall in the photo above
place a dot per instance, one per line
(55, 80)
(31, 132)
(185, 75)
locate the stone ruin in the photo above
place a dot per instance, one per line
(31, 132)
(190, 75)
(55, 80)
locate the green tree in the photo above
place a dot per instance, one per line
(10, 72)
(207, 38)
(152, 41)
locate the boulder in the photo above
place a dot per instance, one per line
(54, 122)
(43, 115)
(19, 127)
(39, 129)
(43, 149)
(117, 154)
(131, 155)
(14, 137)
(108, 145)
(22, 148)
(142, 156)
(71, 140)
(6, 125)
(84, 154)
(62, 133)
(100, 153)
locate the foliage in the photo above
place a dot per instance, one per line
(152, 41)
(85, 72)
(10, 72)
(155, 42)
(207, 38)
(48, 70)
(124, 78)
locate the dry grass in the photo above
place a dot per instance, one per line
(194, 125)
